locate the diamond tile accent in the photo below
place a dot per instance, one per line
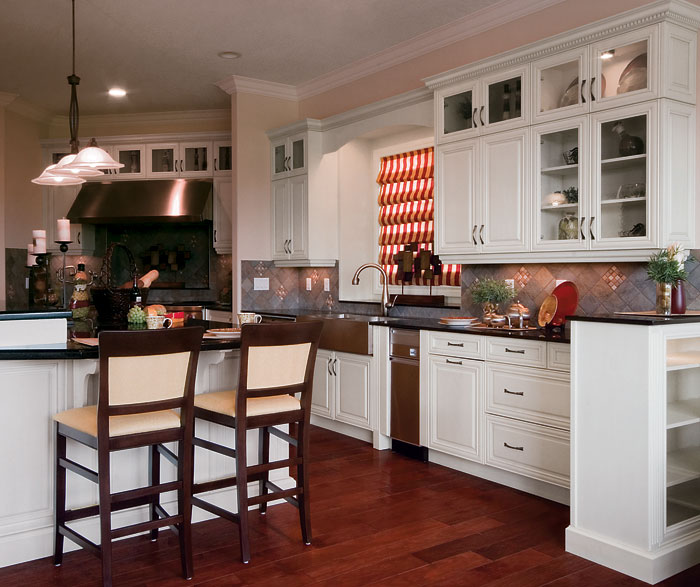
(613, 277)
(260, 269)
(281, 292)
(329, 301)
(315, 277)
(522, 277)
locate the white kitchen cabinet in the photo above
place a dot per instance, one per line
(57, 202)
(133, 157)
(179, 159)
(223, 158)
(222, 234)
(454, 404)
(342, 388)
(304, 197)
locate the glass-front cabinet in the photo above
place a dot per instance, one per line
(223, 158)
(163, 160)
(133, 158)
(492, 103)
(560, 83)
(288, 156)
(195, 159)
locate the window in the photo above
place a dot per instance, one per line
(406, 215)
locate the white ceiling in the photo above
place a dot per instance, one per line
(164, 52)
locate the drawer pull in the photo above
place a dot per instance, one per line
(517, 352)
(453, 362)
(455, 344)
(513, 392)
(522, 448)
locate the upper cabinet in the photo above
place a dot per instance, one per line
(288, 155)
(186, 159)
(133, 157)
(223, 158)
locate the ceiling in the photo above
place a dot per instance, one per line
(164, 52)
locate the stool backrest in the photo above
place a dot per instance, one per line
(147, 370)
(277, 359)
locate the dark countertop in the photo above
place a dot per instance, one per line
(640, 319)
(553, 335)
(75, 350)
(35, 314)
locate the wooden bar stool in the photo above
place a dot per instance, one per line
(277, 362)
(144, 377)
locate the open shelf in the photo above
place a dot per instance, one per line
(560, 169)
(622, 162)
(682, 502)
(683, 465)
(560, 207)
(682, 413)
(622, 201)
(685, 360)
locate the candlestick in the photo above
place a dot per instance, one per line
(39, 241)
(61, 272)
(62, 230)
(31, 258)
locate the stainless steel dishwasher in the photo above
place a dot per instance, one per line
(404, 358)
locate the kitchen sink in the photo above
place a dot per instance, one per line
(347, 333)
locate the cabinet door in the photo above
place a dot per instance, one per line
(57, 203)
(456, 112)
(560, 82)
(133, 157)
(223, 220)
(195, 159)
(280, 219)
(162, 160)
(352, 389)
(505, 189)
(279, 158)
(623, 210)
(456, 192)
(223, 158)
(624, 69)
(560, 183)
(323, 394)
(505, 100)
(298, 198)
(455, 406)
(296, 153)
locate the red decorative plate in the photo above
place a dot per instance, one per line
(567, 301)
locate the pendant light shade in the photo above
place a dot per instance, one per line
(65, 167)
(92, 157)
(49, 178)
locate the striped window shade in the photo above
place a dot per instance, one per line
(406, 213)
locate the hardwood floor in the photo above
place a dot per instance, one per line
(377, 518)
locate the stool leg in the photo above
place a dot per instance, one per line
(264, 458)
(242, 490)
(154, 479)
(59, 499)
(184, 506)
(105, 499)
(303, 482)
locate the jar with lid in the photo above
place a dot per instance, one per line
(79, 301)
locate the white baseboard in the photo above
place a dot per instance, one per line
(342, 428)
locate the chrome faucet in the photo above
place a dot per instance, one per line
(386, 305)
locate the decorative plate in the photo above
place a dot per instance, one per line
(547, 310)
(567, 301)
(458, 321)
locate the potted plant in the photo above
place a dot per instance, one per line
(667, 269)
(490, 293)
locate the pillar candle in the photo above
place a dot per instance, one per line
(39, 241)
(31, 258)
(63, 230)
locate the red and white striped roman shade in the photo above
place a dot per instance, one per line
(406, 212)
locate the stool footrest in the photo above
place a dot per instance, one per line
(89, 474)
(265, 467)
(283, 435)
(213, 446)
(145, 491)
(277, 493)
(215, 509)
(168, 454)
(222, 483)
(81, 541)
(145, 526)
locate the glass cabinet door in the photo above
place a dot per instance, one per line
(163, 160)
(458, 112)
(622, 210)
(559, 150)
(280, 159)
(505, 100)
(297, 153)
(195, 159)
(223, 163)
(560, 82)
(132, 157)
(621, 71)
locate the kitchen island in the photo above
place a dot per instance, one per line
(36, 382)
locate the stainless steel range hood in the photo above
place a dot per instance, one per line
(111, 202)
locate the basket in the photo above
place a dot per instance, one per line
(112, 303)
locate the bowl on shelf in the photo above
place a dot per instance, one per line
(631, 190)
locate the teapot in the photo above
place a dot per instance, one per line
(518, 316)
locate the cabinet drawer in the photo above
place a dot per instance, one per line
(518, 352)
(528, 449)
(470, 346)
(559, 356)
(528, 394)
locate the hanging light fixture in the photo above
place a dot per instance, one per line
(73, 168)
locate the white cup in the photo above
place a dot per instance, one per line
(249, 318)
(156, 322)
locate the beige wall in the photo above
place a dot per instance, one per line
(2, 207)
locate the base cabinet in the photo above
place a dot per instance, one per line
(222, 236)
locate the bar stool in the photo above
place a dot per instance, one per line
(144, 377)
(277, 362)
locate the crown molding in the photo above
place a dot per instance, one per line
(249, 85)
(7, 98)
(468, 26)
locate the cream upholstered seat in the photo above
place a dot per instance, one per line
(224, 402)
(85, 420)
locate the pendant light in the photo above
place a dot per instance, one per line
(71, 170)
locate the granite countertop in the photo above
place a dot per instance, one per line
(552, 335)
(75, 350)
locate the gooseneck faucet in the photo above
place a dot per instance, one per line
(386, 306)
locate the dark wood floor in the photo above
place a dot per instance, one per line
(378, 518)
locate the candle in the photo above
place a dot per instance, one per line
(63, 230)
(39, 241)
(31, 258)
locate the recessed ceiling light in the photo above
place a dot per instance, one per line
(117, 92)
(229, 55)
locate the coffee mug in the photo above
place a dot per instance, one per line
(249, 318)
(156, 322)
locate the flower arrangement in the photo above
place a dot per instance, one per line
(491, 291)
(668, 265)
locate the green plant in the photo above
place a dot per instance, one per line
(668, 265)
(494, 291)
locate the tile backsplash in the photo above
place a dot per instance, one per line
(603, 287)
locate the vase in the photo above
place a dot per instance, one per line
(678, 297)
(663, 298)
(490, 309)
